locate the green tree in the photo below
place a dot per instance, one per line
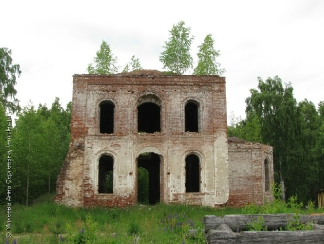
(57, 130)
(248, 129)
(8, 75)
(320, 146)
(134, 64)
(207, 55)
(3, 154)
(277, 110)
(40, 143)
(176, 56)
(309, 161)
(27, 144)
(104, 62)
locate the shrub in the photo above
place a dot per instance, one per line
(133, 228)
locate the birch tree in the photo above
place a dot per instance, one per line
(176, 57)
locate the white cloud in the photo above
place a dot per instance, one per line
(54, 40)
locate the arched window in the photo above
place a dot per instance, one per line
(106, 117)
(192, 117)
(266, 175)
(192, 173)
(106, 174)
(149, 114)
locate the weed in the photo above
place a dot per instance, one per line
(87, 234)
(310, 207)
(28, 227)
(294, 205)
(257, 225)
(133, 229)
(295, 224)
(56, 227)
(250, 209)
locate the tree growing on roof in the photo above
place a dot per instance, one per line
(104, 62)
(207, 64)
(134, 64)
(176, 56)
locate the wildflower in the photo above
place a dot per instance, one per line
(61, 238)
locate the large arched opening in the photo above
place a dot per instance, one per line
(149, 114)
(148, 178)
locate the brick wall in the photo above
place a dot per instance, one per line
(247, 180)
(77, 184)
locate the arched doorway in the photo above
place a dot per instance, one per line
(148, 184)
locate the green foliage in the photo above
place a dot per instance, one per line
(310, 207)
(294, 131)
(176, 56)
(88, 233)
(104, 62)
(143, 185)
(279, 206)
(133, 228)
(295, 224)
(8, 75)
(40, 142)
(134, 64)
(52, 223)
(207, 55)
(3, 154)
(248, 129)
(257, 225)
(176, 223)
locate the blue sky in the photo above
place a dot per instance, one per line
(52, 40)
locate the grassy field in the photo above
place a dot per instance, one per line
(47, 222)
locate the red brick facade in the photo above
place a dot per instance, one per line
(174, 126)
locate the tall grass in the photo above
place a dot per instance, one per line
(48, 222)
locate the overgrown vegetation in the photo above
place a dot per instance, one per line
(294, 130)
(39, 144)
(47, 222)
(279, 206)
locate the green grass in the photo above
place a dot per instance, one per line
(48, 222)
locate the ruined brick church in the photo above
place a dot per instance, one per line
(175, 127)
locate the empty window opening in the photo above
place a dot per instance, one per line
(192, 173)
(106, 174)
(149, 118)
(148, 183)
(191, 117)
(107, 117)
(266, 175)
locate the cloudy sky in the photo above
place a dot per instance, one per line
(52, 40)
